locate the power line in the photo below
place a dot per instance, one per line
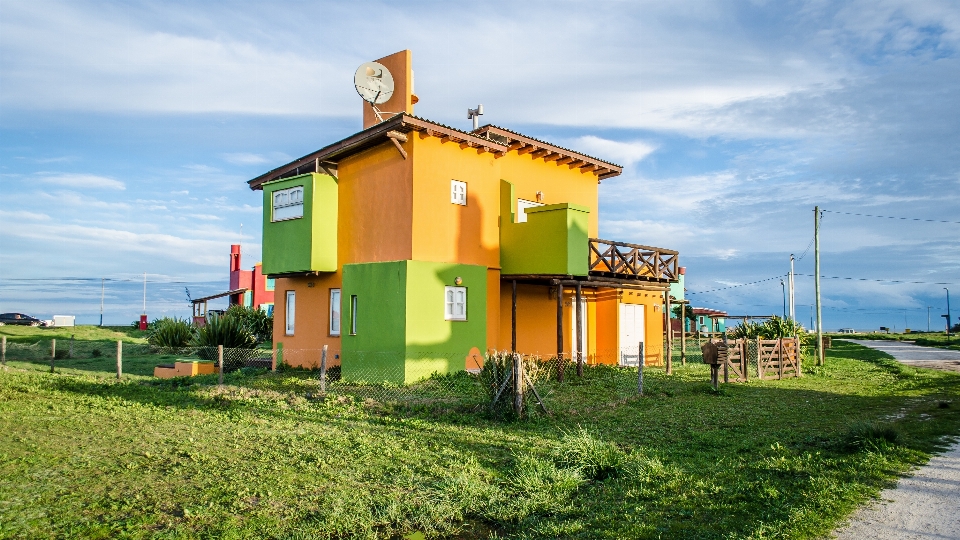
(735, 286)
(881, 280)
(892, 217)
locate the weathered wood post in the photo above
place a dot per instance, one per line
(70, 352)
(560, 364)
(683, 333)
(513, 319)
(669, 355)
(220, 364)
(53, 353)
(323, 371)
(640, 362)
(3, 351)
(119, 359)
(518, 384)
(780, 357)
(759, 360)
(579, 331)
(799, 357)
(726, 361)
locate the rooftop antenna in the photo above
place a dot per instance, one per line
(474, 114)
(374, 83)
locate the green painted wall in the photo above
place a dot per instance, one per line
(433, 343)
(377, 351)
(402, 335)
(307, 244)
(554, 239)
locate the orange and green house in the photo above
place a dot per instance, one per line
(412, 247)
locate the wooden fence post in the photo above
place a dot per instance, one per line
(70, 353)
(220, 364)
(323, 371)
(744, 359)
(3, 351)
(683, 334)
(518, 384)
(580, 342)
(726, 361)
(759, 361)
(796, 349)
(669, 343)
(119, 359)
(780, 356)
(560, 364)
(640, 362)
(53, 353)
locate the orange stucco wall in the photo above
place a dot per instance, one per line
(558, 183)
(312, 322)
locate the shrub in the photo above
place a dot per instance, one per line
(170, 332)
(775, 327)
(224, 330)
(256, 321)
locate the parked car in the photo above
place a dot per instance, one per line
(21, 319)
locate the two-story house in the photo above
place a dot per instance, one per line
(412, 247)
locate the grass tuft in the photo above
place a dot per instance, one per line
(863, 435)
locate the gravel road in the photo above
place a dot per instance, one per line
(927, 504)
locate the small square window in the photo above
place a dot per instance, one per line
(455, 303)
(458, 192)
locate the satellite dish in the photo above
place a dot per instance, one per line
(374, 83)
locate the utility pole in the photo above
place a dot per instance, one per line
(816, 282)
(928, 318)
(101, 301)
(784, 291)
(793, 304)
(948, 311)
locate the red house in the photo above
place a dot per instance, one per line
(259, 293)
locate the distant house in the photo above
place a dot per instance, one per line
(708, 320)
(258, 291)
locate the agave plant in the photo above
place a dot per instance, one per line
(224, 330)
(170, 332)
(775, 327)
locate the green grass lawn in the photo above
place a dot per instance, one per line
(927, 339)
(85, 456)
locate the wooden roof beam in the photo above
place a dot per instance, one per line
(515, 145)
(587, 168)
(576, 163)
(552, 157)
(564, 160)
(526, 149)
(539, 154)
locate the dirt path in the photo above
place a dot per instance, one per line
(927, 504)
(923, 506)
(915, 355)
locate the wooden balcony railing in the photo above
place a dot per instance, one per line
(632, 261)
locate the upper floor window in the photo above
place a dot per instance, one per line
(455, 304)
(522, 205)
(287, 204)
(458, 192)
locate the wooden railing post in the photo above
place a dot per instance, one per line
(220, 364)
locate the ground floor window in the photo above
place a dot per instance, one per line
(291, 311)
(334, 312)
(455, 307)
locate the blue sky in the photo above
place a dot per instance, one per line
(128, 129)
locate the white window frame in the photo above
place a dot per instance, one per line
(522, 205)
(290, 312)
(336, 321)
(353, 314)
(288, 203)
(454, 308)
(458, 192)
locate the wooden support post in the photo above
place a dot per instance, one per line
(560, 362)
(744, 359)
(640, 362)
(53, 353)
(70, 352)
(579, 331)
(669, 355)
(119, 359)
(799, 358)
(220, 364)
(323, 371)
(3, 351)
(513, 319)
(780, 357)
(726, 361)
(683, 333)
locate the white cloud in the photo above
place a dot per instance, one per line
(82, 181)
(243, 158)
(625, 154)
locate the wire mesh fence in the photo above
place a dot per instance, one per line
(501, 384)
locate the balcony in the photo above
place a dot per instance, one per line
(621, 260)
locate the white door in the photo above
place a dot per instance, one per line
(583, 329)
(631, 333)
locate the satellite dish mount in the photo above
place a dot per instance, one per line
(374, 83)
